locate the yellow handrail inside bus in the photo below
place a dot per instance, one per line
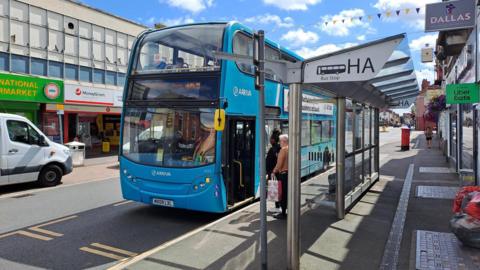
(241, 170)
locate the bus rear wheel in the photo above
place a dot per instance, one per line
(50, 176)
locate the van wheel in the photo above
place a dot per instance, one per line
(50, 176)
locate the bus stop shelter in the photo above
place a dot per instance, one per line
(360, 81)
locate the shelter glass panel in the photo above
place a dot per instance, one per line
(467, 136)
(305, 133)
(358, 126)
(349, 173)
(358, 170)
(366, 163)
(366, 130)
(349, 127)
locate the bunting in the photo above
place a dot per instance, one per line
(386, 14)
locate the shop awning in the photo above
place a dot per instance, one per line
(378, 73)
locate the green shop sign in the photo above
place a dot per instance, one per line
(462, 93)
(32, 89)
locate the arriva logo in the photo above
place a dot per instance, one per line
(241, 92)
(160, 173)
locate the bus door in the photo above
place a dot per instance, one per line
(240, 160)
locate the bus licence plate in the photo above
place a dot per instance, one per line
(162, 202)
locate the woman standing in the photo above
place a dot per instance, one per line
(428, 136)
(271, 159)
(281, 171)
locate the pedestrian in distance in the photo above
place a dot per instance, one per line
(281, 172)
(271, 160)
(429, 136)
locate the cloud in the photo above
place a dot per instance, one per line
(424, 74)
(177, 21)
(340, 24)
(417, 44)
(299, 37)
(361, 38)
(193, 6)
(306, 52)
(292, 4)
(412, 19)
(269, 18)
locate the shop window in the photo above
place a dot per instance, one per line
(19, 33)
(20, 64)
(98, 33)
(4, 63)
(3, 7)
(85, 30)
(39, 66)
(120, 79)
(55, 41)
(71, 45)
(71, 72)
(4, 36)
(38, 16)
(19, 11)
(85, 48)
(85, 74)
(99, 76)
(98, 51)
(111, 78)
(55, 69)
(110, 37)
(38, 37)
(55, 21)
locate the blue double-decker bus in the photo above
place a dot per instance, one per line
(171, 154)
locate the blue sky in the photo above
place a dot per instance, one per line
(296, 24)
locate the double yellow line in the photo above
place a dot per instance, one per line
(108, 251)
(38, 229)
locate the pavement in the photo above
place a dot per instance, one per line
(94, 169)
(391, 226)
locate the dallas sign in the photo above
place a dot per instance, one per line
(450, 15)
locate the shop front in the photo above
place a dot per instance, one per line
(27, 96)
(92, 116)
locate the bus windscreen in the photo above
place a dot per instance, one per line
(201, 88)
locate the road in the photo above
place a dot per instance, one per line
(82, 225)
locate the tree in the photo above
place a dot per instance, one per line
(434, 108)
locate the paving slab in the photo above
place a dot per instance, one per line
(443, 251)
(437, 192)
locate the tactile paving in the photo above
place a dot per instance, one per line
(443, 251)
(436, 192)
(436, 170)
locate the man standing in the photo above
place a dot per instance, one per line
(281, 171)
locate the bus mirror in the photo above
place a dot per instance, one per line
(219, 120)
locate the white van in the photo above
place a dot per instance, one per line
(27, 155)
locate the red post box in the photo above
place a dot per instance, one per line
(405, 139)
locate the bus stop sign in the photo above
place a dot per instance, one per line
(360, 64)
